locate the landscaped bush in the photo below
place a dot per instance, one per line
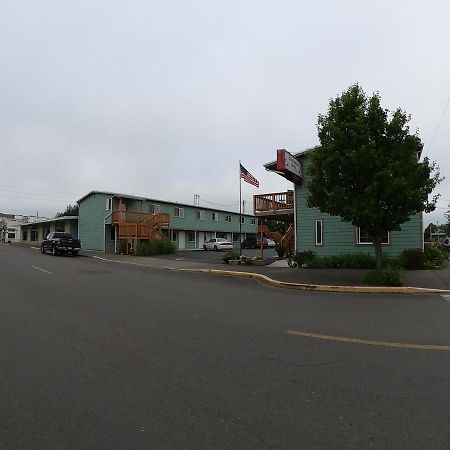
(229, 255)
(151, 248)
(413, 259)
(302, 258)
(435, 257)
(346, 261)
(387, 277)
(350, 261)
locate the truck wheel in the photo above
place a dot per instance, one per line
(54, 251)
(42, 249)
(74, 253)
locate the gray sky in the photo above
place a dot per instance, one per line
(162, 98)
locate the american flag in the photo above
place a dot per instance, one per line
(248, 177)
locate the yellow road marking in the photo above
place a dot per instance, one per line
(369, 342)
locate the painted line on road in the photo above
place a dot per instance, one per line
(369, 342)
(42, 270)
(36, 248)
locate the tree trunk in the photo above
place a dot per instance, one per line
(378, 254)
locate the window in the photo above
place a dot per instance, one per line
(112, 235)
(11, 235)
(242, 219)
(364, 239)
(215, 216)
(108, 204)
(222, 235)
(191, 236)
(179, 212)
(24, 234)
(173, 235)
(60, 228)
(154, 208)
(319, 232)
(235, 237)
(200, 215)
(33, 234)
(228, 218)
(253, 220)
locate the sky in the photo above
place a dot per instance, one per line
(162, 99)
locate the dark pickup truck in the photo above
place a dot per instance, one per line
(58, 242)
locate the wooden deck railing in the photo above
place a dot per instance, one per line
(274, 202)
(137, 225)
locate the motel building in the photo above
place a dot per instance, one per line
(311, 229)
(109, 221)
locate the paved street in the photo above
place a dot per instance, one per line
(99, 355)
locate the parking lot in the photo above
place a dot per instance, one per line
(212, 257)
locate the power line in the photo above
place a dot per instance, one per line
(439, 124)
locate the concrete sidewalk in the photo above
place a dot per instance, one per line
(279, 271)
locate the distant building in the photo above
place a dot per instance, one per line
(10, 226)
(34, 233)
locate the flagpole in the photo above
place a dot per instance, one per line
(240, 210)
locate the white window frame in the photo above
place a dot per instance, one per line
(253, 221)
(173, 235)
(318, 242)
(191, 234)
(200, 215)
(108, 206)
(358, 238)
(179, 212)
(242, 220)
(228, 218)
(215, 216)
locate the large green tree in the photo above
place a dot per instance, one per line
(367, 168)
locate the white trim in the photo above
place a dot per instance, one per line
(319, 244)
(358, 238)
(180, 214)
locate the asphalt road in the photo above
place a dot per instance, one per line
(97, 355)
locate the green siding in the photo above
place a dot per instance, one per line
(91, 219)
(339, 237)
(94, 218)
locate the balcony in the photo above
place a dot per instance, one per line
(138, 225)
(274, 205)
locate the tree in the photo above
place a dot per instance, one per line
(70, 211)
(367, 168)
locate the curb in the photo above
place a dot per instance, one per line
(296, 286)
(322, 287)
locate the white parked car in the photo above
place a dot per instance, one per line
(218, 244)
(270, 243)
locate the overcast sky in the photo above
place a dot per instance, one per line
(163, 98)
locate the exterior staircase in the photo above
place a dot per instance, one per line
(141, 226)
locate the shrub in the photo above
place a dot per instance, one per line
(153, 247)
(435, 257)
(122, 246)
(387, 277)
(413, 259)
(230, 255)
(346, 261)
(303, 257)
